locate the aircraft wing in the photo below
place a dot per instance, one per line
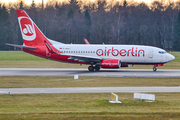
(84, 58)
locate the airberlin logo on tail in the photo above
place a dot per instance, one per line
(27, 28)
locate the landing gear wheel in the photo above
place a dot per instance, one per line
(91, 68)
(97, 68)
(154, 68)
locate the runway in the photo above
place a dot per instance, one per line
(88, 90)
(85, 72)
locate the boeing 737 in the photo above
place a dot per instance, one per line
(97, 56)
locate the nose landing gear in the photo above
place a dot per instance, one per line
(157, 65)
(154, 69)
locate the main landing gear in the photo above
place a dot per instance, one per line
(92, 68)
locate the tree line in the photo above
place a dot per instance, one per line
(99, 21)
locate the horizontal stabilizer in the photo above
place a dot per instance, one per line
(21, 46)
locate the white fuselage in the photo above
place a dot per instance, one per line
(126, 53)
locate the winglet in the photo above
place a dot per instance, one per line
(86, 41)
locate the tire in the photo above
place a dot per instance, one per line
(97, 68)
(91, 68)
(154, 69)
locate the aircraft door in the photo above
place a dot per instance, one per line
(150, 53)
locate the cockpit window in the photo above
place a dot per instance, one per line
(162, 52)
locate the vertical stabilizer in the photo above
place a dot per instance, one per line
(31, 34)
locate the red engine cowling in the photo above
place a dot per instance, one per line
(110, 63)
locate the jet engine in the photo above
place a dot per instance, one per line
(110, 63)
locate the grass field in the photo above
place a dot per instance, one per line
(87, 106)
(19, 59)
(46, 82)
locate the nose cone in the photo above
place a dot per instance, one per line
(171, 57)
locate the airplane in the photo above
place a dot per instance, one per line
(97, 56)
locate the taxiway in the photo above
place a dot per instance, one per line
(88, 90)
(85, 72)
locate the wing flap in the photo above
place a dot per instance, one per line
(84, 58)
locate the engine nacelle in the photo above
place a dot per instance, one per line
(110, 63)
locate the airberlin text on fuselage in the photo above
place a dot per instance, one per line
(122, 52)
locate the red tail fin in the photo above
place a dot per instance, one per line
(31, 34)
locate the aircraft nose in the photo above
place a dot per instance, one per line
(171, 57)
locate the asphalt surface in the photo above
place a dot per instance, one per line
(85, 72)
(88, 90)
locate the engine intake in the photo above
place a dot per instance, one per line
(110, 63)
